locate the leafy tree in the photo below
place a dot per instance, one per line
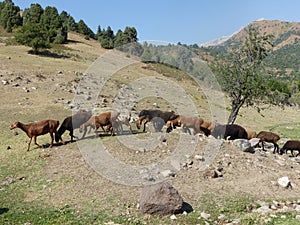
(241, 74)
(34, 36)
(33, 14)
(53, 24)
(85, 30)
(128, 36)
(10, 16)
(107, 38)
(68, 21)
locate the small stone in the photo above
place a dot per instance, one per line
(297, 208)
(284, 182)
(221, 217)
(205, 215)
(168, 173)
(297, 217)
(283, 217)
(8, 148)
(199, 157)
(273, 207)
(173, 217)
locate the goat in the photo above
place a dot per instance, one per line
(107, 119)
(268, 137)
(185, 123)
(72, 122)
(251, 134)
(158, 117)
(39, 128)
(229, 131)
(291, 145)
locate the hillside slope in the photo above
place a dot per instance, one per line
(286, 50)
(59, 186)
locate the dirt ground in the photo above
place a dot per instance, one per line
(43, 87)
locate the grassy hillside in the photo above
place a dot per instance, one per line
(58, 186)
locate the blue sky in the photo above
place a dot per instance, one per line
(188, 22)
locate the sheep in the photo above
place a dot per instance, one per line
(123, 119)
(38, 128)
(251, 134)
(207, 127)
(269, 137)
(185, 123)
(73, 122)
(157, 116)
(229, 131)
(107, 119)
(291, 145)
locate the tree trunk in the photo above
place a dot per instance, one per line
(234, 112)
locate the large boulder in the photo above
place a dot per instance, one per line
(160, 199)
(244, 145)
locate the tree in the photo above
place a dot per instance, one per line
(107, 38)
(53, 25)
(34, 36)
(33, 14)
(241, 74)
(85, 30)
(9, 16)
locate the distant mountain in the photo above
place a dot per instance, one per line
(283, 60)
(218, 41)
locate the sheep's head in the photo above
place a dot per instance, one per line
(81, 128)
(14, 125)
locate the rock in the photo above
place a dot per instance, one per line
(297, 217)
(173, 217)
(254, 141)
(243, 145)
(168, 173)
(297, 208)
(205, 215)
(199, 157)
(284, 182)
(5, 82)
(263, 209)
(212, 173)
(160, 199)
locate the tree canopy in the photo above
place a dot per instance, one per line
(242, 75)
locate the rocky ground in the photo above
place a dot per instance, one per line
(34, 88)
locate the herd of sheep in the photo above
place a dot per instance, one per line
(112, 122)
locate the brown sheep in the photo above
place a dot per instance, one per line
(291, 145)
(38, 128)
(269, 137)
(185, 123)
(159, 118)
(107, 119)
(251, 134)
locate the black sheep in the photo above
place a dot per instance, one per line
(229, 131)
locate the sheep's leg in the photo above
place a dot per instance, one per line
(144, 129)
(60, 138)
(51, 135)
(276, 148)
(72, 135)
(36, 142)
(262, 145)
(29, 144)
(84, 132)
